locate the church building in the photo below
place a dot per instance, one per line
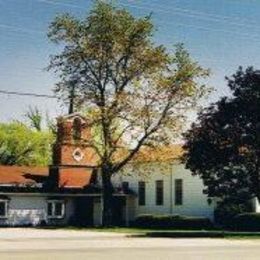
(69, 192)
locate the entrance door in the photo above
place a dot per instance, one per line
(118, 211)
(84, 211)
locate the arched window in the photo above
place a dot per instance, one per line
(77, 129)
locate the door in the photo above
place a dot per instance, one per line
(84, 211)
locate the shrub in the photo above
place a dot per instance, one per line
(43, 223)
(226, 211)
(172, 222)
(247, 222)
(195, 223)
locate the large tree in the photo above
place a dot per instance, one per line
(137, 92)
(223, 146)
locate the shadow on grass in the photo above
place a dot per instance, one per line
(199, 234)
(153, 233)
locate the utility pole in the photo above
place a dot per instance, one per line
(72, 96)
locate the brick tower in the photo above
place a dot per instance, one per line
(72, 154)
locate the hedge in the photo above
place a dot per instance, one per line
(226, 211)
(172, 222)
(246, 222)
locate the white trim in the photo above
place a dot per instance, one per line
(53, 203)
(78, 157)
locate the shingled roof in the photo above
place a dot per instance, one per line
(22, 175)
(159, 154)
(80, 177)
(168, 153)
(32, 176)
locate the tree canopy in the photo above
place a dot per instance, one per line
(21, 145)
(137, 91)
(223, 146)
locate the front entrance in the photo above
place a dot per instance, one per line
(83, 211)
(119, 211)
(88, 211)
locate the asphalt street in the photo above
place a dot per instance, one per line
(65, 244)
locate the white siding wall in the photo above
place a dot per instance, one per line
(130, 209)
(26, 210)
(194, 201)
(256, 205)
(32, 210)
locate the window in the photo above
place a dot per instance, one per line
(159, 192)
(55, 209)
(125, 185)
(141, 193)
(3, 208)
(77, 129)
(178, 192)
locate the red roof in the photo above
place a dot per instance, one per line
(22, 175)
(78, 177)
(75, 177)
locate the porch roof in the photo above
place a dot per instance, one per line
(36, 177)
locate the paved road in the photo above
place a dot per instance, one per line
(64, 244)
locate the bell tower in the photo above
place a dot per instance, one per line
(72, 143)
(72, 156)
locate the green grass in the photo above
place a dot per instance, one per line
(112, 229)
(242, 235)
(146, 232)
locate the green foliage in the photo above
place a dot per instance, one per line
(172, 222)
(35, 117)
(247, 222)
(137, 91)
(133, 87)
(226, 211)
(223, 146)
(21, 145)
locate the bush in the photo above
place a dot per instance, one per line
(43, 223)
(246, 222)
(226, 211)
(172, 222)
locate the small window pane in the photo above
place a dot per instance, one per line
(58, 209)
(2, 209)
(178, 192)
(141, 193)
(76, 129)
(125, 185)
(50, 206)
(159, 192)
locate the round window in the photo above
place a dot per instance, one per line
(78, 155)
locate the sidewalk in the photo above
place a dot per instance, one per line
(33, 233)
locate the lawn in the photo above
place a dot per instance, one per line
(146, 232)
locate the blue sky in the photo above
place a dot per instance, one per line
(220, 35)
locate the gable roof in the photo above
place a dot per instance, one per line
(168, 153)
(73, 177)
(159, 154)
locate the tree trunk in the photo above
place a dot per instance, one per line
(107, 195)
(255, 175)
(72, 97)
(257, 182)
